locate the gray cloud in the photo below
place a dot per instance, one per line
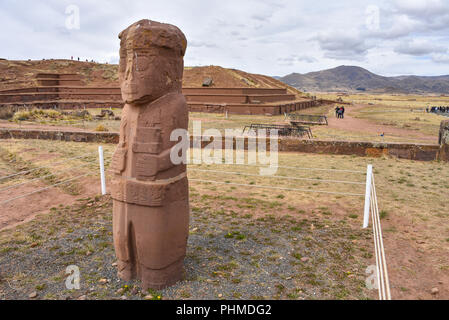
(419, 48)
(342, 45)
(261, 36)
(201, 44)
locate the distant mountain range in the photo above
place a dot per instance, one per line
(357, 79)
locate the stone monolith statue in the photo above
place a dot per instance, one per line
(150, 193)
(444, 140)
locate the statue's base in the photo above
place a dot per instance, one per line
(150, 278)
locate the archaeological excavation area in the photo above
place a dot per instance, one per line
(67, 91)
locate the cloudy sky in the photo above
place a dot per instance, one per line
(394, 37)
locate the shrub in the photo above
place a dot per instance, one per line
(101, 128)
(6, 113)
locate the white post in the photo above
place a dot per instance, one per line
(103, 179)
(369, 174)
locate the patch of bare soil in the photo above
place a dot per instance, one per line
(414, 266)
(27, 208)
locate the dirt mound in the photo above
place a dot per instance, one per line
(21, 74)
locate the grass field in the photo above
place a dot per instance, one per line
(245, 242)
(401, 111)
(404, 113)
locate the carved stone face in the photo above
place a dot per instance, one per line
(146, 75)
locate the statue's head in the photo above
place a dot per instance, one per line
(151, 61)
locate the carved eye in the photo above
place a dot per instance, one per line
(142, 62)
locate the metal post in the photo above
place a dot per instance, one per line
(369, 173)
(103, 179)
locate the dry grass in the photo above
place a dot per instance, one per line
(411, 199)
(400, 111)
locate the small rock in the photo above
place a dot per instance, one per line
(103, 281)
(34, 245)
(149, 297)
(123, 298)
(434, 290)
(220, 295)
(305, 259)
(115, 264)
(84, 297)
(295, 239)
(33, 295)
(194, 229)
(88, 253)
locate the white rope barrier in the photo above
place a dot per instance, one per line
(43, 177)
(292, 167)
(386, 294)
(277, 177)
(276, 188)
(45, 167)
(46, 188)
(372, 207)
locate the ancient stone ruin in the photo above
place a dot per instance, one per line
(150, 193)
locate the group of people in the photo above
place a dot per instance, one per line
(87, 60)
(340, 112)
(438, 109)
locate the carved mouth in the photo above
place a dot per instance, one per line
(129, 89)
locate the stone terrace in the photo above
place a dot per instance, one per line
(67, 91)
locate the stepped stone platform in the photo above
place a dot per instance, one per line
(250, 101)
(67, 91)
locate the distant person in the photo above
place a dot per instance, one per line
(337, 111)
(340, 113)
(78, 58)
(342, 110)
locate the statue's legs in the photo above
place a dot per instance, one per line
(150, 242)
(123, 241)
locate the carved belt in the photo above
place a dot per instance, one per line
(151, 193)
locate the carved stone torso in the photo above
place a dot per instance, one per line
(141, 164)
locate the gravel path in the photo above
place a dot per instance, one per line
(230, 256)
